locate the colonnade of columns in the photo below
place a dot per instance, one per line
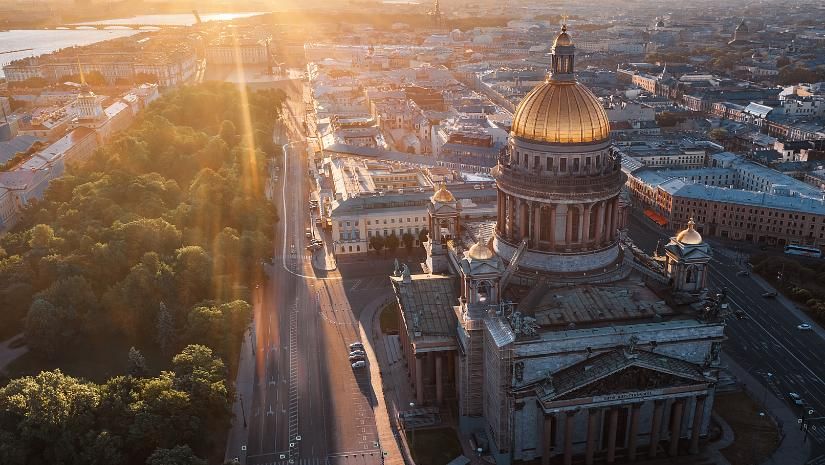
(611, 422)
(587, 225)
(424, 362)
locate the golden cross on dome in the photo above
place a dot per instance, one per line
(564, 22)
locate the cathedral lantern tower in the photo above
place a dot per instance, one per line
(687, 256)
(444, 212)
(559, 185)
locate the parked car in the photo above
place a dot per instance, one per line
(359, 364)
(357, 353)
(769, 295)
(355, 358)
(357, 345)
(796, 398)
(804, 327)
(743, 273)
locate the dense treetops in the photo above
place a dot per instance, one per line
(155, 241)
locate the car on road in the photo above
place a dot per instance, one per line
(769, 295)
(359, 364)
(355, 358)
(357, 353)
(357, 345)
(308, 233)
(804, 327)
(743, 273)
(796, 398)
(318, 222)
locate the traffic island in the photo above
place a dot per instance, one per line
(756, 434)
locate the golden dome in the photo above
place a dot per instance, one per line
(479, 251)
(563, 39)
(443, 195)
(689, 236)
(561, 112)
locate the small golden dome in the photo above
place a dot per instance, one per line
(561, 112)
(563, 39)
(689, 236)
(479, 251)
(443, 195)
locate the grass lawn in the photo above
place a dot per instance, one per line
(756, 437)
(389, 319)
(436, 446)
(93, 360)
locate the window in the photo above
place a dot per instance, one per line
(575, 165)
(526, 161)
(392, 220)
(348, 225)
(536, 162)
(563, 165)
(549, 163)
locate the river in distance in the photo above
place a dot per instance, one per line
(17, 44)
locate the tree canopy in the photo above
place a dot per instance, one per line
(153, 242)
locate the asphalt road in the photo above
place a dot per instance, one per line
(767, 342)
(309, 405)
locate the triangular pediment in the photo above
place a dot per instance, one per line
(630, 379)
(621, 371)
(443, 208)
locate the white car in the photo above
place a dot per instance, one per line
(804, 327)
(359, 364)
(356, 346)
(357, 353)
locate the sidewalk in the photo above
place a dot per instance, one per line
(244, 384)
(791, 449)
(385, 412)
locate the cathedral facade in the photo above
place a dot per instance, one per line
(556, 338)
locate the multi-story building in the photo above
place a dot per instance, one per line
(168, 60)
(368, 198)
(733, 199)
(227, 50)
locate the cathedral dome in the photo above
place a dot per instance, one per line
(443, 195)
(689, 236)
(479, 251)
(563, 39)
(561, 112)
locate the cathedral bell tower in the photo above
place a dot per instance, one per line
(686, 261)
(444, 212)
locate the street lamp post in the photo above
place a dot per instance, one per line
(765, 396)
